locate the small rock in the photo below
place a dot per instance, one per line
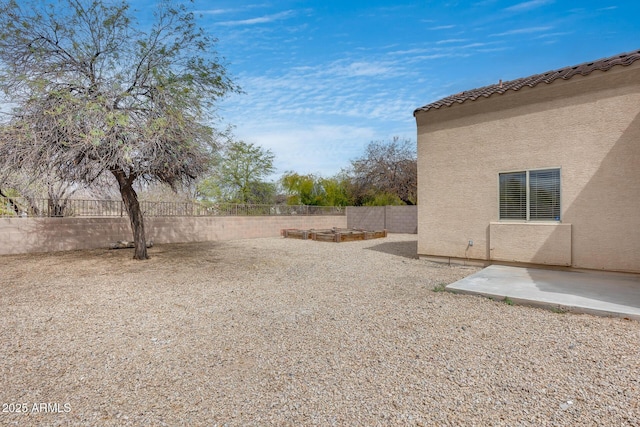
(564, 406)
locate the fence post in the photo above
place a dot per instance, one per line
(385, 217)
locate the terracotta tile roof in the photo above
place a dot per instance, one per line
(532, 81)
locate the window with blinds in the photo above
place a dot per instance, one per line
(532, 195)
(513, 195)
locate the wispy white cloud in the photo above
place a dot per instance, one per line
(358, 69)
(317, 117)
(266, 19)
(410, 51)
(529, 30)
(215, 11)
(528, 5)
(444, 49)
(420, 58)
(337, 90)
(452, 41)
(551, 35)
(442, 27)
(474, 45)
(222, 11)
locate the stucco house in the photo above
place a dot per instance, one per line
(542, 170)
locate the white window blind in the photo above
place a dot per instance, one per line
(513, 195)
(530, 195)
(544, 194)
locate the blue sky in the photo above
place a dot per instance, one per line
(324, 78)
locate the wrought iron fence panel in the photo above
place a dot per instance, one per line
(22, 207)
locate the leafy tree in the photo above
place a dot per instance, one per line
(302, 189)
(94, 94)
(386, 168)
(384, 199)
(208, 190)
(335, 191)
(262, 192)
(313, 190)
(240, 173)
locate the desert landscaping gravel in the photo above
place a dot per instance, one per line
(294, 333)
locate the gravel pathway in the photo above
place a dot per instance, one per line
(289, 332)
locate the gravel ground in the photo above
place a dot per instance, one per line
(289, 332)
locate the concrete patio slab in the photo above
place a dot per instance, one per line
(603, 294)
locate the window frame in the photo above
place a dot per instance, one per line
(528, 195)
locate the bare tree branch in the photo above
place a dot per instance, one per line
(385, 168)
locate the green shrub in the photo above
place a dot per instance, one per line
(440, 287)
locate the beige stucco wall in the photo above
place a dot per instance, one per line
(26, 235)
(521, 242)
(589, 126)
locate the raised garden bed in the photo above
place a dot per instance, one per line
(336, 235)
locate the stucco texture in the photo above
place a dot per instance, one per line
(588, 126)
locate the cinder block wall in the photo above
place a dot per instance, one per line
(26, 235)
(402, 219)
(395, 219)
(366, 217)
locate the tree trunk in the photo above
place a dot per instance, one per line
(130, 199)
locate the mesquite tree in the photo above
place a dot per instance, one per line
(93, 93)
(387, 168)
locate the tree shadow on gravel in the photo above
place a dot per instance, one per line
(188, 252)
(408, 249)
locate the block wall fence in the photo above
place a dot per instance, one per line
(27, 235)
(395, 219)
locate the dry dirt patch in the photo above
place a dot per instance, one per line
(291, 332)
